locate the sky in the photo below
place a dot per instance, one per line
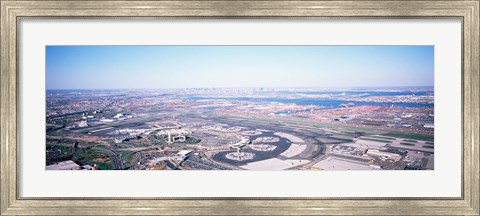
(127, 67)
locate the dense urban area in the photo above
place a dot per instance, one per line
(241, 129)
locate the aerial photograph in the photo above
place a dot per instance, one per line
(268, 108)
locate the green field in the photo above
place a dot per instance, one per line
(323, 140)
(63, 149)
(407, 140)
(314, 150)
(425, 146)
(342, 136)
(103, 166)
(411, 136)
(376, 140)
(407, 144)
(384, 137)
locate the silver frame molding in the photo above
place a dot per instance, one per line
(11, 11)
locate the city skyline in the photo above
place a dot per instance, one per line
(160, 67)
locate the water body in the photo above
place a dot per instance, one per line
(318, 102)
(361, 93)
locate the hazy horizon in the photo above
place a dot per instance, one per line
(282, 87)
(181, 67)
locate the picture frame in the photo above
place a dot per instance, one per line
(13, 11)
